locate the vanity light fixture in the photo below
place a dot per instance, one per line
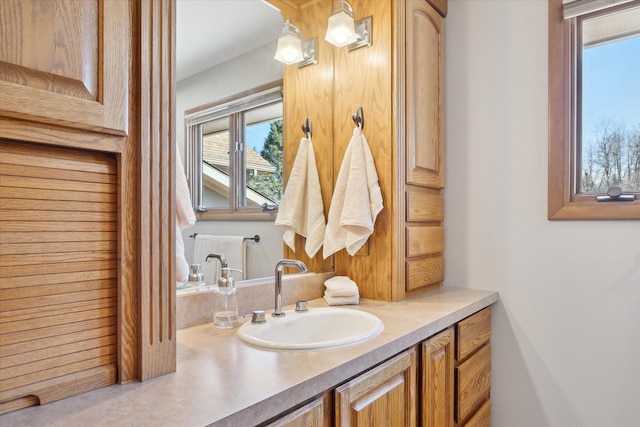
(291, 49)
(344, 31)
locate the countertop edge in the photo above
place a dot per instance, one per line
(271, 407)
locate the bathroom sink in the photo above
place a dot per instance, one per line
(317, 328)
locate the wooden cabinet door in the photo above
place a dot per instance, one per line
(65, 62)
(424, 122)
(438, 364)
(383, 396)
(316, 413)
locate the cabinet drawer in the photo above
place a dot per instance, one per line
(473, 332)
(424, 241)
(425, 206)
(482, 418)
(424, 272)
(474, 382)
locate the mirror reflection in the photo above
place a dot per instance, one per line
(224, 51)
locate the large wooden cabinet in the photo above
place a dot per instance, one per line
(86, 196)
(398, 82)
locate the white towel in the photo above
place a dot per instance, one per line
(185, 218)
(232, 247)
(357, 199)
(355, 299)
(301, 209)
(341, 286)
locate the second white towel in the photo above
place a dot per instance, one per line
(357, 199)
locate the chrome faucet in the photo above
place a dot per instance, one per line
(279, 266)
(223, 260)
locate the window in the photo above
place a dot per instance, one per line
(235, 155)
(594, 108)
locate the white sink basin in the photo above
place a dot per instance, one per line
(314, 329)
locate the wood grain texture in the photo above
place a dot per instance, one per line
(57, 313)
(317, 413)
(473, 332)
(400, 92)
(474, 382)
(424, 95)
(424, 240)
(437, 381)
(482, 417)
(424, 205)
(303, 100)
(363, 78)
(69, 57)
(424, 272)
(157, 193)
(385, 395)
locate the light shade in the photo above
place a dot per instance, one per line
(341, 28)
(289, 49)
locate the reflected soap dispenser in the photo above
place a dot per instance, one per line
(225, 301)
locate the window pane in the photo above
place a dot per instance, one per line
(263, 155)
(610, 99)
(215, 163)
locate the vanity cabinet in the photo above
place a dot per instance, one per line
(473, 370)
(444, 381)
(437, 385)
(398, 82)
(385, 395)
(317, 413)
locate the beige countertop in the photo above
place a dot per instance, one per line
(221, 381)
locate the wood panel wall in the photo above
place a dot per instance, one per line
(58, 271)
(309, 94)
(398, 81)
(364, 77)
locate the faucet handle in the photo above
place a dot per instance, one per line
(301, 307)
(257, 316)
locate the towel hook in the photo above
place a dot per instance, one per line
(306, 128)
(358, 118)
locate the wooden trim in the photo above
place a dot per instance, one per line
(563, 203)
(157, 327)
(19, 130)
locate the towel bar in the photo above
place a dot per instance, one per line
(255, 238)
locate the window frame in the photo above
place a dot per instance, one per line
(564, 203)
(234, 211)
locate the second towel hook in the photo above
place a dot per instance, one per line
(306, 128)
(358, 118)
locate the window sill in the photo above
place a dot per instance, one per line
(590, 209)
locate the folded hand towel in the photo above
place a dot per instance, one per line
(301, 210)
(341, 286)
(357, 199)
(355, 299)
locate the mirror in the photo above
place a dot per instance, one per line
(223, 48)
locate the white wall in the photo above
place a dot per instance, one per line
(244, 72)
(566, 337)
